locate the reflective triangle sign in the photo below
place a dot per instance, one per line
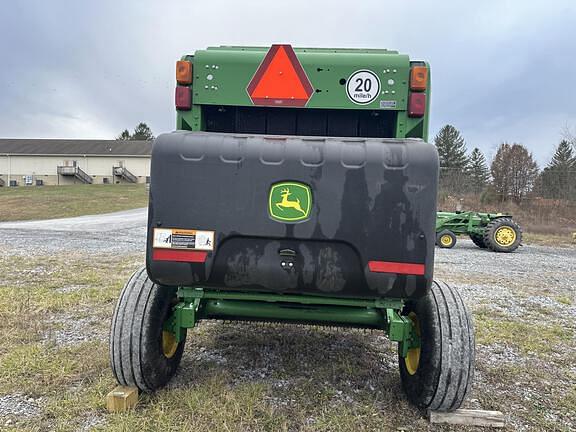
(280, 80)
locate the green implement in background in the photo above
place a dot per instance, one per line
(494, 231)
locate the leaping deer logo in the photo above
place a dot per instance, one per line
(286, 203)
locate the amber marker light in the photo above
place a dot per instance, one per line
(418, 78)
(183, 72)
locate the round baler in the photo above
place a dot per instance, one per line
(298, 188)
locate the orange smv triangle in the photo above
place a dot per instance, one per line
(280, 80)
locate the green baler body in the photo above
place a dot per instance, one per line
(221, 76)
(221, 102)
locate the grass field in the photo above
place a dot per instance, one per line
(54, 318)
(49, 202)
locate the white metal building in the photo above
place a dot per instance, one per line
(62, 162)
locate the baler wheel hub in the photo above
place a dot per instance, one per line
(169, 344)
(412, 359)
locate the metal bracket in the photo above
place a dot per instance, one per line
(402, 330)
(184, 316)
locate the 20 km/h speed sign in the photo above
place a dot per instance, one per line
(363, 87)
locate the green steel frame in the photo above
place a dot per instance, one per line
(465, 222)
(196, 304)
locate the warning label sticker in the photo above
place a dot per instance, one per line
(173, 238)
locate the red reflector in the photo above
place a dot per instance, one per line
(183, 98)
(395, 267)
(179, 255)
(417, 104)
(280, 80)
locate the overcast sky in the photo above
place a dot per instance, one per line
(501, 70)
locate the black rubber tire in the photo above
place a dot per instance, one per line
(446, 233)
(492, 228)
(478, 240)
(445, 371)
(136, 354)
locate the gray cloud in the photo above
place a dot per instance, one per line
(501, 70)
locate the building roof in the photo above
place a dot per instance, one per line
(75, 147)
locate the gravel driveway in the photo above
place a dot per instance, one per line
(118, 232)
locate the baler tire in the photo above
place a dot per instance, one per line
(445, 369)
(137, 354)
(445, 234)
(492, 230)
(478, 240)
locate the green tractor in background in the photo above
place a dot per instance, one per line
(494, 231)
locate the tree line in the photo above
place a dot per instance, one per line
(142, 132)
(513, 174)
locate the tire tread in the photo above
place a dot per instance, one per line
(132, 361)
(446, 379)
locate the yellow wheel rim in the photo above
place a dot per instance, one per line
(169, 344)
(446, 240)
(412, 359)
(505, 236)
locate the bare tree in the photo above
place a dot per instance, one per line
(514, 172)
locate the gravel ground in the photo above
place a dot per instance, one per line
(17, 406)
(120, 232)
(531, 294)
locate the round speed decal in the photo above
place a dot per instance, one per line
(363, 87)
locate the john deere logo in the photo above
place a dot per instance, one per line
(290, 201)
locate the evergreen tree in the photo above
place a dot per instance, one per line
(124, 136)
(564, 158)
(451, 148)
(141, 132)
(559, 177)
(478, 171)
(453, 160)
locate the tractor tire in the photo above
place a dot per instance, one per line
(503, 235)
(438, 375)
(142, 354)
(446, 239)
(478, 240)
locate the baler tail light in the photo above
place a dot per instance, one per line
(183, 98)
(417, 105)
(418, 78)
(183, 72)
